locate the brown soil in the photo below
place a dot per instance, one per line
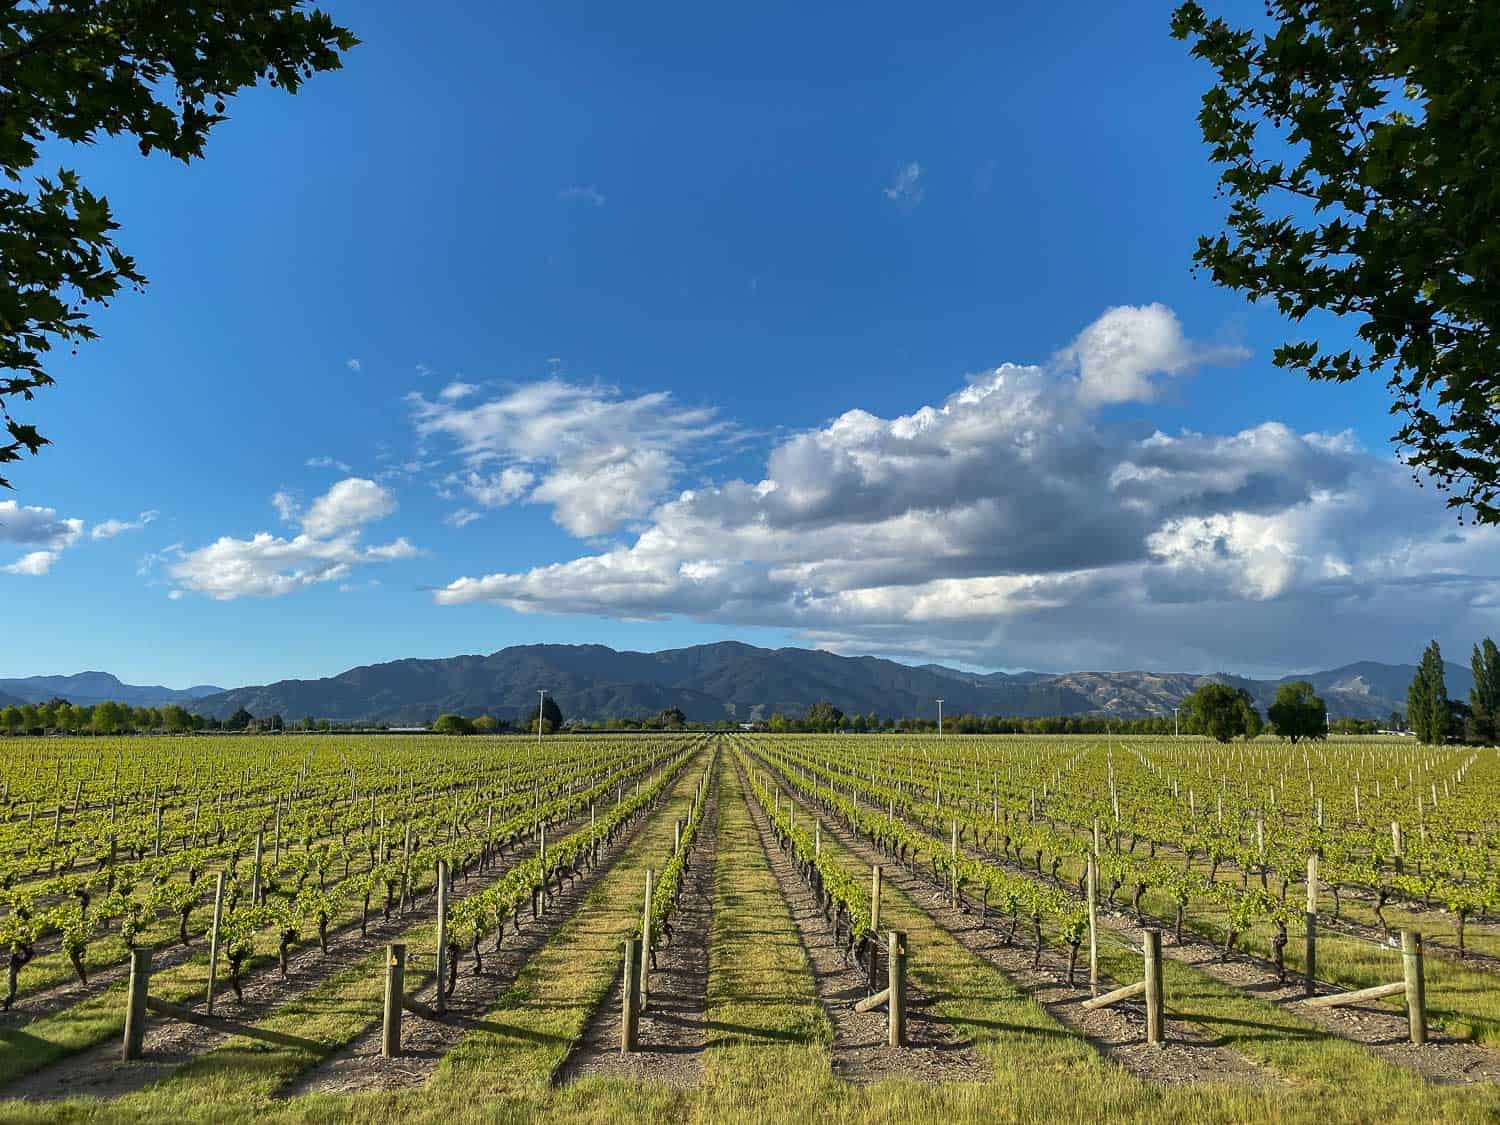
(358, 1067)
(170, 1044)
(672, 1031)
(935, 1052)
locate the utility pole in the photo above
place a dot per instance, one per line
(940, 716)
(1174, 721)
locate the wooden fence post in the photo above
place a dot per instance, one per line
(395, 982)
(441, 1003)
(213, 940)
(644, 990)
(1155, 1017)
(542, 856)
(876, 875)
(1310, 956)
(1416, 985)
(135, 1008)
(896, 983)
(630, 1003)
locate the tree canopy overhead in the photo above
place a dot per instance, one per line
(1356, 143)
(74, 69)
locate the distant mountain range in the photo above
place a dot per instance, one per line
(745, 683)
(87, 688)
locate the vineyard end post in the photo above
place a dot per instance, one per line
(896, 982)
(1416, 985)
(135, 1008)
(395, 982)
(1155, 1016)
(630, 1005)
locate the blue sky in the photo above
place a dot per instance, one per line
(452, 329)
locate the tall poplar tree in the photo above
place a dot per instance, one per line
(1484, 697)
(1427, 699)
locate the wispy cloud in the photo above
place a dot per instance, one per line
(328, 463)
(582, 193)
(599, 457)
(353, 364)
(110, 528)
(906, 189)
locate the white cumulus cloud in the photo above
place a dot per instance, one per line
(1015, 521)
(34, 526)
(349, 504)
(33, 564)
(327, 549)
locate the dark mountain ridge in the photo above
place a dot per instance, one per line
(85, 688)
(741, 682)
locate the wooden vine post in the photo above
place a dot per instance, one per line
(213, 940)
(896, 983)
(1093, 892)
(630, 1006)
(1150, 986)
(441, 1003)
(644, 989)
(1156, 1030)
(1310, 956)
(260, 845)
(1413, 984)
(395, 982)
(1416, 985)
(953, 864)
(135, 1009)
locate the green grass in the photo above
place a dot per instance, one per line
(769, 1038)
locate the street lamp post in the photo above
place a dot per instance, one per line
(940, 716)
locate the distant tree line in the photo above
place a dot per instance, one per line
(59, 716)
